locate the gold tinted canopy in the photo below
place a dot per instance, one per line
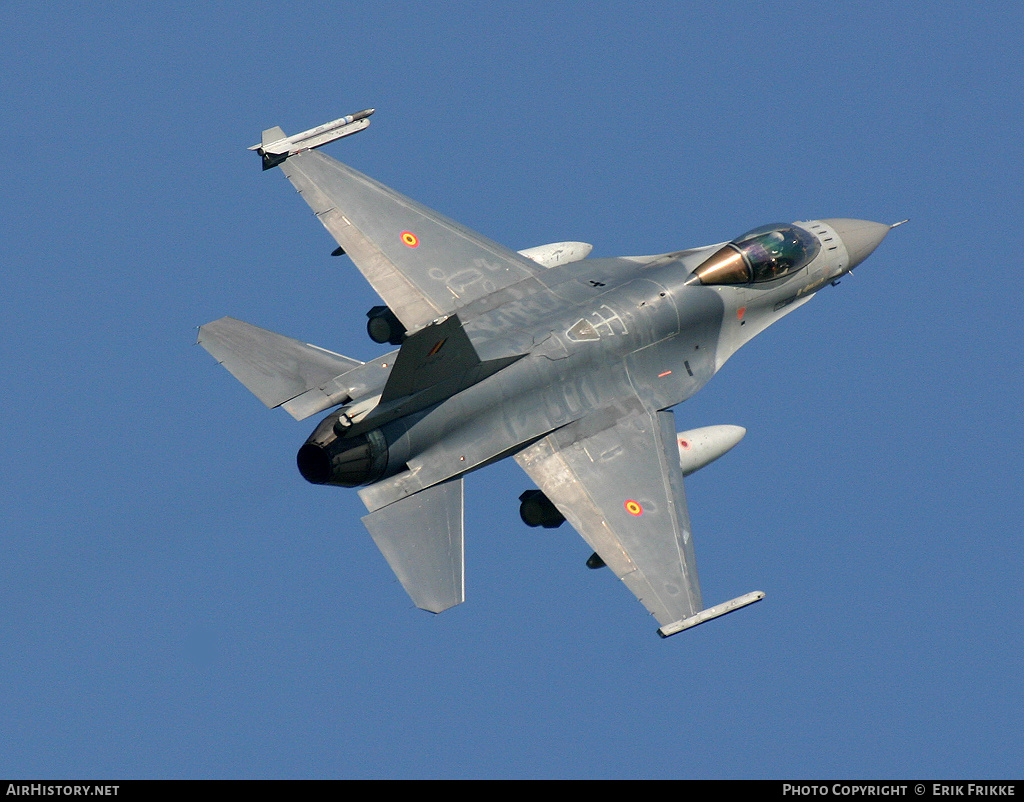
(764, 254)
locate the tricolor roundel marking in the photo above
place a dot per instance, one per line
(409, 239)
(633, 507)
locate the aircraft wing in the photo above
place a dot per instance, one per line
(423, 265)
(615, 476)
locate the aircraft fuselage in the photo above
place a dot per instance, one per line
(594, 334)
(570, 365)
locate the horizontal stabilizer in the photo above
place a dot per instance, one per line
(421, 537)
(273, 367)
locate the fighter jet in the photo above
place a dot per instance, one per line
(570, 365)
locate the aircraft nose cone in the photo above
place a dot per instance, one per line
(860, 237)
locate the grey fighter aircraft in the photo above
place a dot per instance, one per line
(568, 364)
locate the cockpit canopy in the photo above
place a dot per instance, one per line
(764, 254)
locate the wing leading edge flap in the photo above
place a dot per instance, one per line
(421, 537)
(421, 263)
(616, 478)
(274, 368)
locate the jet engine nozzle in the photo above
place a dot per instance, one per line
(326, 459)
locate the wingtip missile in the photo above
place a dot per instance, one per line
(711, 612)
(276, 147)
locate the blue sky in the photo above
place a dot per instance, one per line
(178, 602)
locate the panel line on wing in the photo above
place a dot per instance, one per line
(620, 485)
(421, 263)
